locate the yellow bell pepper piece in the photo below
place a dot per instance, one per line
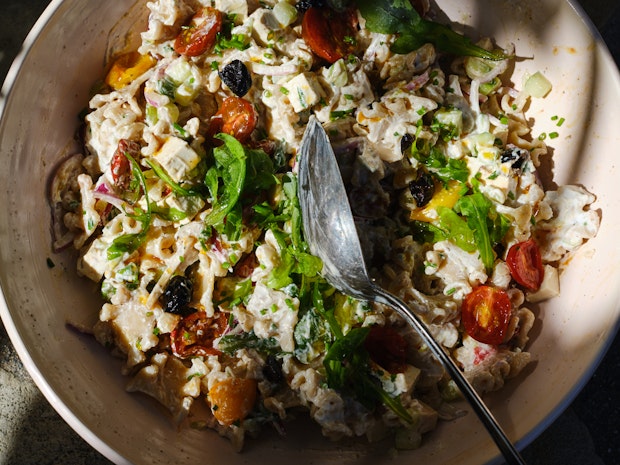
(128, 67)
(446, 197)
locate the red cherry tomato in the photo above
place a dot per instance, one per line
(235, 117)
(329, 34)
(195, 333)
(387, 348)
(200, 34)
(525, 264)
(486, 314)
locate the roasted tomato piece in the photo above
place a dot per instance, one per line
(120, 167)
(245, 267)
(387, 348)
(330, 35)
(194, 335)
(525, 264)
(236, 117)
(232, 399)
(200, 34)
(486, 314)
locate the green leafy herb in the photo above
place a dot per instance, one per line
(168, 214)
(293, 261)
(487, 225)
(400, 18)
(176, 188)
(442, 167)
(259, 172)
(167, 87)
(225, 179)
(231, 343)
(225, 39)
(128, 243)
(347, 367)
(311, 334)
(339, 114)
(456, 229)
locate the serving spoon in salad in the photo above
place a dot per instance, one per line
(331, 234)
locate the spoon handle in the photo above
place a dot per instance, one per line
(507, 449)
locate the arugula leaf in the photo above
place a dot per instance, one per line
(231, 343)
(259, 172)
(230, 170)
(456, 229)
(400, 18)
(344, 359)
(284, 220)
(476, 207)
(293, 261)
(347, 363)
(310, 335)
(169, 214)
(442, 167)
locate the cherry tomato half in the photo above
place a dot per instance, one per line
(200, 34)
(236, 117)
(329, 34)
(194, 335)
(387, 348)
(525, 264)
(486, 314)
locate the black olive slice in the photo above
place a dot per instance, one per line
(237, 77)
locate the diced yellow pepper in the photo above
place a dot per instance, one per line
(446, 197)
(128, 67)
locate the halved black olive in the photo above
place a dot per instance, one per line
(177, 295)
(237, 77)
(273, 370)
(422, 189)
(406, 142)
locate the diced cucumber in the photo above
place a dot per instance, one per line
(537, 85)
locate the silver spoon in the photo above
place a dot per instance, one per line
(332, 236)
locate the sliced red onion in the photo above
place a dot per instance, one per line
(155, 99)
(417, 82)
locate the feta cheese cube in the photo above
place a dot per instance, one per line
(94, 262)
(177, 158)
(304, 91)
(549, 288)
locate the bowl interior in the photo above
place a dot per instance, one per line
(66, 54)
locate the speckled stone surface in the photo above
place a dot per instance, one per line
(31, 432)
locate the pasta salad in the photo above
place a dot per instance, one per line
(183, 207)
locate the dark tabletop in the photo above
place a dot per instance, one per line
(31, 432)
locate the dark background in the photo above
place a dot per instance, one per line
(31, 432)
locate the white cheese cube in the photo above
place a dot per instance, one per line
(549, 288)
(304, 91)
(239, 8)
(177, 158)
(264, 26)
(94, 262)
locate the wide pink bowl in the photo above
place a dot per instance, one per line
(48, 86)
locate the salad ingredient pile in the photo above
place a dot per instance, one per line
(183, 207)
